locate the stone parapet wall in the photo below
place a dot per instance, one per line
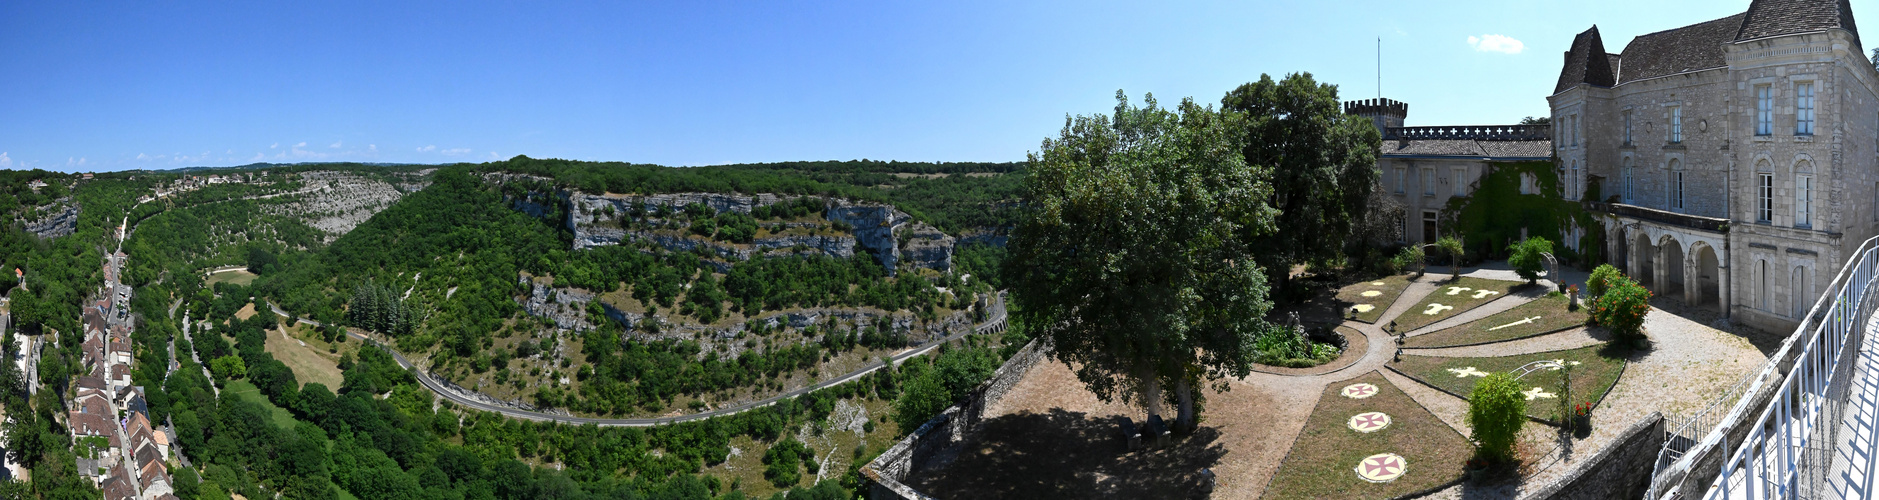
(1621, 470)
(888, 470)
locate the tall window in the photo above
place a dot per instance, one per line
(1803, 200)
(1676, 189)
(1572, 129)
(1765, 198)
(1764, 110)
(1461, 187)
(1676, 124)
(1804, 109)
(1627, 128)
(1761, 286)
(1428, 182)
(1628, 183)
(1573, 182)
(1797, 288)
(1399, 180)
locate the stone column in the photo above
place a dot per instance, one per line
(1723, 284)
(1660, 269)
(1692, 280)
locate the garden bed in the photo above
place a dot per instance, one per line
(1324, 459)
(1598, 369)
(1550, 314)
(1383, 293)
(1468, 293)
(1355, 345)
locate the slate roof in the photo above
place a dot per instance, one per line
(1690, 48)
(1467, 148)
(1779, 17)
(1584, 63)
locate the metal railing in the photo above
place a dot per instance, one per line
(1682, 433)
(1789, 448)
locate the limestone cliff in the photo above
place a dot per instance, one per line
(55, 220)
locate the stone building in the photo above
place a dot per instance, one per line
(1735, 157)
(1424, 167)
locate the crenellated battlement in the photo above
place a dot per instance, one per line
(1377, 107)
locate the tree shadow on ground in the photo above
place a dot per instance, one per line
(1066, 454)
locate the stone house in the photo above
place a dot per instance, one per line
(1425, 167)
(1736, 156)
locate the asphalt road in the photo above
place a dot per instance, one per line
(996, 321)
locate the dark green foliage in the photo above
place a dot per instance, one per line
(1601, 280)
(384, 310)
(1492, 217)
(1496, 410)
(930, 388)
(1622, 308)
(1527, 257)
(782, 461)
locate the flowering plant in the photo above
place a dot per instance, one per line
(1582, 409)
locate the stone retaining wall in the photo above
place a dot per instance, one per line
(886, 472)
(1621, 470)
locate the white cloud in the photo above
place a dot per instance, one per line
(5, 162)
(258, 157)
(1496, 43)
(142, 156)
(427, 149)
(456, 151)
(230, 152)
(373, 148)
(70, 162)
(337, 144)
(494, 157)
(301, 145)
(275, 145)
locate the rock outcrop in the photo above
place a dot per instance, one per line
(57, 219)
(929, 248)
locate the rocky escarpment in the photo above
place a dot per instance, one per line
(57, 219)
(877, 226)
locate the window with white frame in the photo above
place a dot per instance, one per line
(1461, 186)
(1428, 182)
(1676, 124)
(1400, 174)
(1764, 110)
(1574, 182)
(1804, 109)
(1803, 200)
(1765, 198)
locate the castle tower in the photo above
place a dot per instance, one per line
(1384, 113)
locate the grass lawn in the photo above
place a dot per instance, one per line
(1467, 293)
(248, 392)
(310, 364)
(1551, 312)
(1598, 369)
(1322, 462)
(1383, 293)
(242, 277)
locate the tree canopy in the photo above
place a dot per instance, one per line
(1131, 253)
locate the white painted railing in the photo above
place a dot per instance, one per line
(1789, 447)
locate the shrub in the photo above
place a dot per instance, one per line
(1622, 308)
(1496, 410)
(1407, 259)
(1601, 280)
(1280, 345)
(1526, 257)
(1454, 249)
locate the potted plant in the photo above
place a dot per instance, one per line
(1582, 416)
(1572, 297)
(1477, 470)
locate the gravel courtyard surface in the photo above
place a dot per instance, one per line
(1050, 438)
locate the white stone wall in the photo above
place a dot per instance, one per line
(1444, 175)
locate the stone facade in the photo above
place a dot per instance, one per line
(1736, 157)
(1425, 167)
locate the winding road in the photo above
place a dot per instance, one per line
(995, 323)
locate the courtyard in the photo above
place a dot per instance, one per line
(1371, 424)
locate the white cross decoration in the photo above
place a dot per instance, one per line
(1521, 322)
(1480, 294)
(1467, 372)
(1560, 363)
(1435, 309)
(1536, 392)
(1457, 289)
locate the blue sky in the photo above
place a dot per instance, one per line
(98, 86)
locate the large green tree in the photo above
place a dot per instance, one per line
(1132, 255)
(1323, 163)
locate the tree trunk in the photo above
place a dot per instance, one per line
(1151, 391)
(1185, 394)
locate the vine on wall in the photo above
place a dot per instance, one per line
(1491, 217)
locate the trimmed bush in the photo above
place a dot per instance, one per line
(1496, 410)
(1622, 308)
(1600, 281)
(1526, 257)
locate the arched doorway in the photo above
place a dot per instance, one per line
(1642, 255)
(1708, 277)
(1673, 268)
